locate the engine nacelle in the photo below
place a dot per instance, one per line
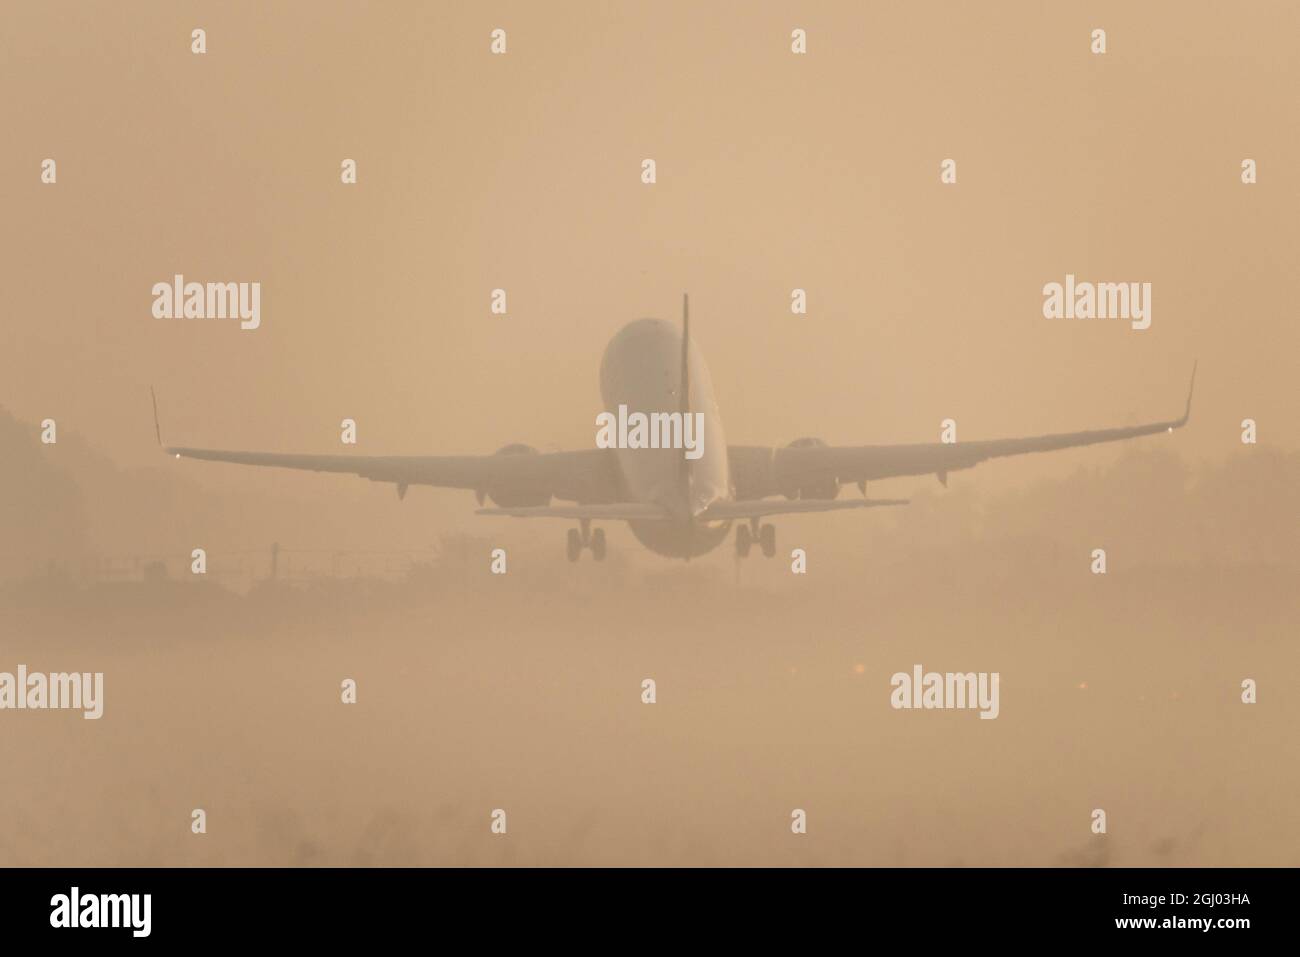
(508, 496)
(827, 489)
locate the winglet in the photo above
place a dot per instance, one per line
(157, 430)
(684, 384)
(1187, 410)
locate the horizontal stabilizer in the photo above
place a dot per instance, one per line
(618, 511)
(756, 508)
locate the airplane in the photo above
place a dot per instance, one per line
(676, 506)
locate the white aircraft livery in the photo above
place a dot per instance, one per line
(678, 505)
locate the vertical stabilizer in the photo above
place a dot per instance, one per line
(686, 352)
(684, 387)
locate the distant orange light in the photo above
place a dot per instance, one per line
(859, 669)
(1083, 686)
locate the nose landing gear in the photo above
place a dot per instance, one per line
(578, 539)
(755, 533)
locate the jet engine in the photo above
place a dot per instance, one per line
(824, 489)
(506, 495)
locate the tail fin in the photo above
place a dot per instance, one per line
(684, 400)
(686, 345)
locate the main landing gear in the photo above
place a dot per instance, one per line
(763, 535)
(584, 537)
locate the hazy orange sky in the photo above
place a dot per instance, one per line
(775, 172)
(522, 171)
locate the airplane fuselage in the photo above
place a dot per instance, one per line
(641, 370)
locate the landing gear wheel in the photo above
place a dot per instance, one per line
(573, 545)
(743, 541)
(598, 544)
(767, 538)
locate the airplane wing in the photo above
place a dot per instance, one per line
(764, 471)
(586, 475)
(566, 475)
